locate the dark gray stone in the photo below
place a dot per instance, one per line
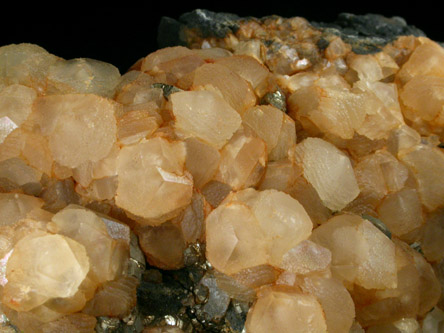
(161, 299)
(169, 33)
(210, 24)
(203, 22)
(368, 33)
(236, 316)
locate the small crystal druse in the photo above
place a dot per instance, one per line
(265, 175)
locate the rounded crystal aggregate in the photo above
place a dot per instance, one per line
(183, 153)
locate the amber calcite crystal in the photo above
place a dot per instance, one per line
(252, 175)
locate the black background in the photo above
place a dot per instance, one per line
(122, 34)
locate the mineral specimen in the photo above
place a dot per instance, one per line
(253, 175)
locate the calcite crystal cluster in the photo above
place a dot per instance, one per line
(276, 179)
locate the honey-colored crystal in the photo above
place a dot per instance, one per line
(25, 64)
(306, 257)
(15, 206)
(401, 212)
(329, 171)
(82, 75)
(43, 266)
(163, 245)
(330, 293)
(234, 89)
(79, 128)
(243, 244)
(114, 298)
(249, 69)
(274, 127)
(15, 106)
(88, 229)
(424, 161)
(433, 233)
(202, 161)
(204, 115)
(280, 311)
(424, 96)
(416, 291)
(425, 60)
(361, 253)
(152, 181)
(258, 228)
(242, 160)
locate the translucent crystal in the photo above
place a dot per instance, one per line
(366, 66)
(433, 322)
(401, 212)
(274, 127)
(374, 307)
(15, 106)
(401, 139)
(205, 115)
(19, 172)
(257, 276)
(163, 245)
(329, 171)
(79, 128)
(331, 109)
(424, 161)
(249, 69)
(26, 64)
(432, 245)
(234, 288)
(335, 300)
(361, 253)
(202, 161)
(280, 175)
(243, 244)
(6, 127)
(152, 181)
(192, 220)
(280, 311)
(234, 89)
(404, 325)
(15, 206)
(307, 196)
(43, 266)
(267, 223)
(266, 121)
(83, 75)
(155, 61)
(114, 298)
(286, 140)
(136, 125)
(282, 218)
(425, 60)
(242, 160)
(425, 96)
(306, 257)
(107, 257)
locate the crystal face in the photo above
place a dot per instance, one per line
(278, 179)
